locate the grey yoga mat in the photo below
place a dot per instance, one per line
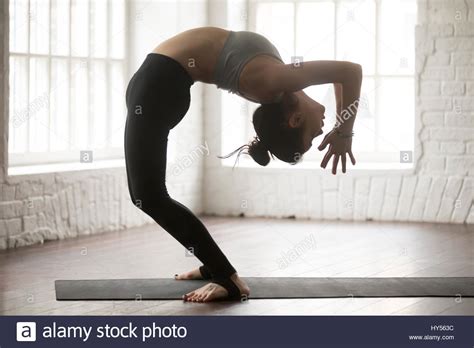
(261, 288)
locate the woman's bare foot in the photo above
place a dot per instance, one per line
(213, 291)
(195, 274)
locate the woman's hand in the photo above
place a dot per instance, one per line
(338, 147)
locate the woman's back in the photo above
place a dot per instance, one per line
(198, 51)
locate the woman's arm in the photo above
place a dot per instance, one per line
(346, 77)
(340, 138)
(347, 80)
(338, 95)
(291, 78)
(347, 100)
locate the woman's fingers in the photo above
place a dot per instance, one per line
(324, 143)
(352, 158)
(334, 163)
(326, 159)
(336, 152)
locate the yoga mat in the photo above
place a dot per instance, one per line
(266, 288)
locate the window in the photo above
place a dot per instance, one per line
(378, 34)
(67, 72)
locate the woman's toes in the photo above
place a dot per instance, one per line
(179, 276)
(194, 274)
(202, 295)
(207, 293)
(184, 276)
(189, 295)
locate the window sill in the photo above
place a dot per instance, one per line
(364, 168)
(65, 167)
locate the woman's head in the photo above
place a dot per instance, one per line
(286, 128)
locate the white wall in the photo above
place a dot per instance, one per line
(35, 208)
(439, 189)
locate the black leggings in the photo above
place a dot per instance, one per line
(158, 97)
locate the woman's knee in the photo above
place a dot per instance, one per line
(156, 206)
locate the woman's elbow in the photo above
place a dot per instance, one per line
(357, 71)
(353, 71)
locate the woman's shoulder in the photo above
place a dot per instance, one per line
(256, 79)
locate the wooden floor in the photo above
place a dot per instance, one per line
(256, 247)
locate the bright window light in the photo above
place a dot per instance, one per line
(67, 69)
(378, 34)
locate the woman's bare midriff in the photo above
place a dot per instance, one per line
(197, 51)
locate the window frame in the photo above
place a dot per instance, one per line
(72, 155)
(376, 157)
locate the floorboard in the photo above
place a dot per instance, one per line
(256, 247)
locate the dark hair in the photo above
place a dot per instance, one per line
(274, 136)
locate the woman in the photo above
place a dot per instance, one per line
(245, 63)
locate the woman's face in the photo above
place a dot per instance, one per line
(309, 115)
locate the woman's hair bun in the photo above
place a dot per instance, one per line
(259, 152)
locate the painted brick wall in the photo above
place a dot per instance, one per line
(37, 208)
(439, 189)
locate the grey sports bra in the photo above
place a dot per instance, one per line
(239, 48)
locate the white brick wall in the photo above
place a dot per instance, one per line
(55, 206)
(37, 208)
(439, 190)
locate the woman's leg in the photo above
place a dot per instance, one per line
(146, 143)
(157, 99)
(147, 172)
